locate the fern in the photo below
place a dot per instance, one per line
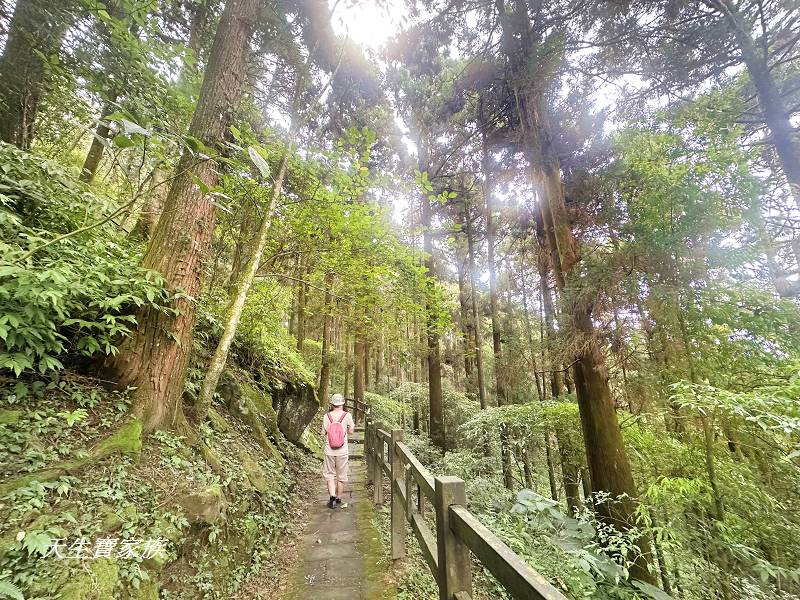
(9, 590)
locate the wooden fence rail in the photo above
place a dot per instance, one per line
(360, 410)
(458, 533)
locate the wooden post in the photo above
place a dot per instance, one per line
(368, 448)
(454, 561)
(377, 492)
(398, 516)
(420, 500)
(408, 474)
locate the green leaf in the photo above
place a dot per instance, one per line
(200, 184)
(123, 141)
(9, 590)
(129, 127)
(259, 162)
(36, 543)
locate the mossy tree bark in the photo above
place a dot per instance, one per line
(605, 450)
(154, 359)
(233, 314)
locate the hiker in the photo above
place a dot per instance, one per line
(336, 424)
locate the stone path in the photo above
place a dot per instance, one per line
(342, 555)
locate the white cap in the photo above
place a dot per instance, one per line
(337, 400)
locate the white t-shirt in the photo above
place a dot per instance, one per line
(347, 424)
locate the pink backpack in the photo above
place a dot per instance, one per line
(336, 432)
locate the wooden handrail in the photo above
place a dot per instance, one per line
(361, 410)
(519, 579)
(458, 532)
(421, 475)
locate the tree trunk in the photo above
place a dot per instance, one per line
(476, 322)
(540, 392)
(527, 470)
(586, 484)
(100, 136)
(662, 563)
(775, 112)
(155, 357)
(366, 364)
(358, 369)
(378, 363)
(35, 34)
(434, 359)
(325, 367)
(153, 205)
(605, 450)
(99, 140)
(500, 391)
(493, 303)
(570, 472)
(302, 294)
(466, 325)
(346, 367)
(233, 313)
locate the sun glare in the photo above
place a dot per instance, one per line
(368, 23)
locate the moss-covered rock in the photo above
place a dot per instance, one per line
(312, 442)
(167, 530)
(97, 583)
(255, 474)
(218, 423)
(114, 519)
(126, 440)
(263, 405)
(243, 400)
(296, 404)
(9, 417)
(206, 505)
(148, 590)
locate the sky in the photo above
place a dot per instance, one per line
(369, 23)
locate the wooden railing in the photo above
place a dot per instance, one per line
(458, 532)
(360, 410)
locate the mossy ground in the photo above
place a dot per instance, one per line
(376, 554)
(131, 489)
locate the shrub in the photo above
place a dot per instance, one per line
(388, 411)
(75, 296)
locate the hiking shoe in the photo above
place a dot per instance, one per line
(332, 502)
(337, 502)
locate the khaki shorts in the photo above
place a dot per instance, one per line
(336, 467)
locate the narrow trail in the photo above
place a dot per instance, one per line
(341, 556)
